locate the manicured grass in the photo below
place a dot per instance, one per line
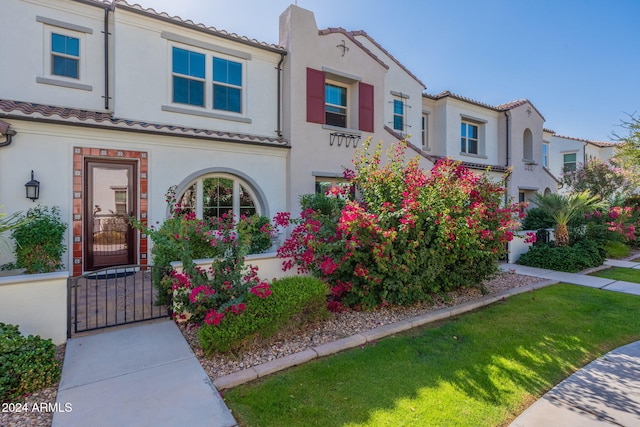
(480, 369)
(619, 273)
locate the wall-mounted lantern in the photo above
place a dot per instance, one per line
(33, 189)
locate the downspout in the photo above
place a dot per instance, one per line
(106, 53)
(506, 179)
(279, 112)
(508, 159)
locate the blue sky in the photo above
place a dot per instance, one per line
(577, 61)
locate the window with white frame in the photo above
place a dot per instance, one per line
(425, 131)
(65, 56)
(399, 115)
(219, 194)
(335, 105)
(227, 85)
(188, 77)
(195, 70)
(569, 162)
(469, 138)
(545, 154)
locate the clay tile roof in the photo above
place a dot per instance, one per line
(502, 107)
(588, 141)
(197, 26)
(433, 159)
(352, 35)
(74, 116)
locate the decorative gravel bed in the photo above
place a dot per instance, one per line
(338, 325)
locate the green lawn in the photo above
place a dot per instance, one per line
(480, 369)
(619, 273)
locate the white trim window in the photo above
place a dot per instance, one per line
(545, 154)
(469, 138)
(219, 194)
(569, 162)
(399, 115)
(425, 131)
(227, 85)
(335, 105)
(188, 77)
(65, 55)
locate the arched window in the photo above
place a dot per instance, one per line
(527, 145)
(547, 191)
(217, 194)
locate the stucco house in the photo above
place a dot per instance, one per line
(114, 104)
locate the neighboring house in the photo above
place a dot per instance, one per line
(341, 87)
(567, 153)
(112, 104)
(506, 140)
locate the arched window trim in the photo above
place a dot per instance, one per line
(527, 145)
(238, 177)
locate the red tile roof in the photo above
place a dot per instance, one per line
(74, 116)
(122, 4)
(352, 35)
(433, 159)
(588, 141)
(502, 107)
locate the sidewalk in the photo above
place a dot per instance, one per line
(143, 375)
(147, 375)
(606, 392)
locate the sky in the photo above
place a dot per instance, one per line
(577, 61)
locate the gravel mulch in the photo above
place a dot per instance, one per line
(338, 325)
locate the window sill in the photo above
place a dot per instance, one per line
(342, 130)
(208, 114)
(63, 83)
(477, 156)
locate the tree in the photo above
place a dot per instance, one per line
(629, 149)
(564, 208)
(608, 180)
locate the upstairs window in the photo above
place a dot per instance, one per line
(335, 105)
(425, 131)
(227, 85)
(569, 162)
(340, 100)
(545, 154)
(65, 56)
(398, 115)
(188, 77)
(469, 138)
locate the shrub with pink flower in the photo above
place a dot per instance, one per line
(409, 235)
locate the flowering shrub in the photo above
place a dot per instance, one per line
(293, 302)
(409, 234)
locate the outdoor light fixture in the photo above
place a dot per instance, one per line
(33, 189)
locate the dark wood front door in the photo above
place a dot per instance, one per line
(110, 201)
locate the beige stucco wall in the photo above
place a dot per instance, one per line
(37, 303)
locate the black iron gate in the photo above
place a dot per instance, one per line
(113, 296)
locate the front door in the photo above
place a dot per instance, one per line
(110, 201)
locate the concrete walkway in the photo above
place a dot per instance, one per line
(147, 375)
(606, 392)
(143, 375)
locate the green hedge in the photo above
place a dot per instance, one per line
(27, 364)
(294, 301)
(583, 254)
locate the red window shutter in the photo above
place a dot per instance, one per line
(365, 107)
(315, 96)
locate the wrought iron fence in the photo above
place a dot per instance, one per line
(113, 296)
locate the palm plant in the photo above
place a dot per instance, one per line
(564, 208)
